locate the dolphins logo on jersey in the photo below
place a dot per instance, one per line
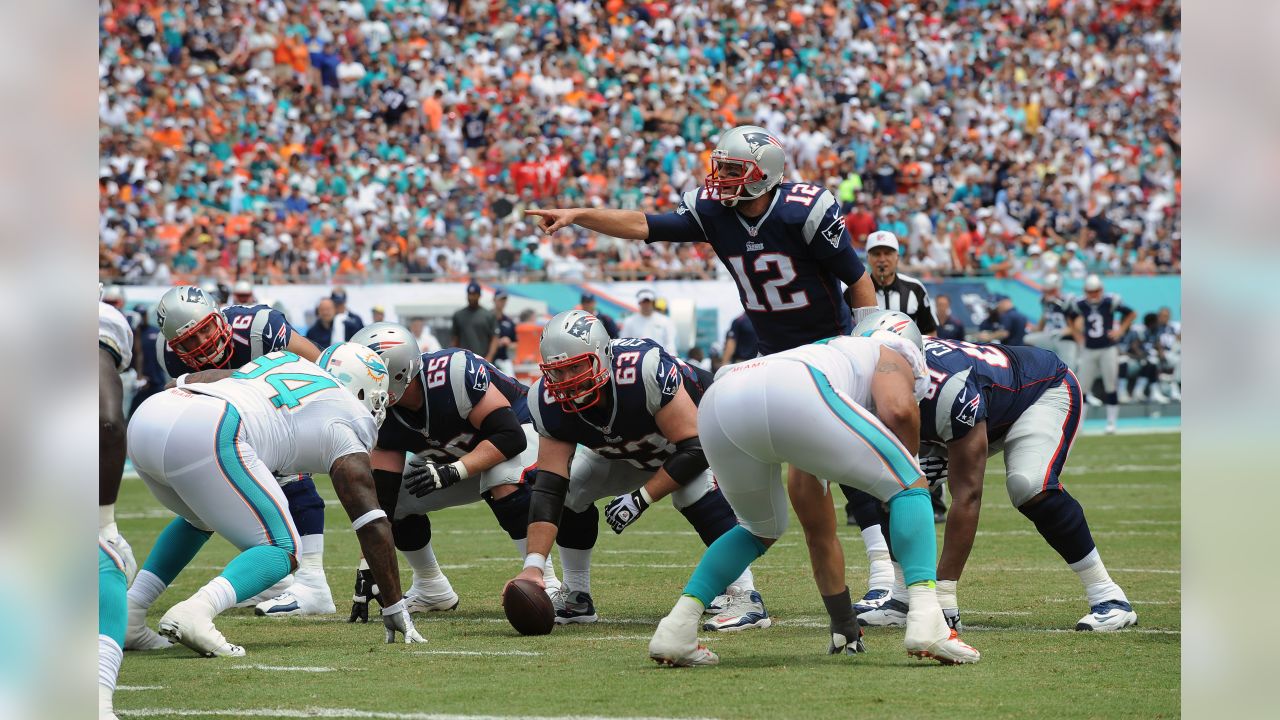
(757, 139)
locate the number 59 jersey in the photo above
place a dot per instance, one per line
(972, 382)
(295, 416)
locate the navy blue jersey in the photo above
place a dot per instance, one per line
(255, 331)
(972, 382)
(1100, 318)
(506, 329)
(624, 426)
(1057, 313)
(742, 332)
(150, 341)
(454, 381)
(788, 264)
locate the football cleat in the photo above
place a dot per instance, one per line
(744, 611)
(1108, 616)
(929, 637)
(891, 614)
(953, 620)
(137, 636)
(1110, 429)
(676, 644)
(719, 603)
(190, 622)
(298, 600)
(577, 608)
(841, 644)
(875, 598)
(285, 583)
(430, 596)
(1092, 401)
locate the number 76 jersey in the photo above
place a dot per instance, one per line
(973, 382)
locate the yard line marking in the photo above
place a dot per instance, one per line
(998, 568)
(1131, 602)
(1148, 522)
(641, 552)
(284, 668)
(1101, 533)
(311, 712)
(479, 653)
(136, 688)
(1144, 631)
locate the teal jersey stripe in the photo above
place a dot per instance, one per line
(269, 514)
(889, 451)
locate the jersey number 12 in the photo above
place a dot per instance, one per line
(774, 301)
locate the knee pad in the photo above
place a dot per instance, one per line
(1111, 398)
(412, 532)
(305, 505)
(579, 530)
(512, 511)
(712, 516)
(1021, 488)
(1060, 520)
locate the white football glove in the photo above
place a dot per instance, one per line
(935, 469)
(396, 620)
(122, 548)
(624, 510)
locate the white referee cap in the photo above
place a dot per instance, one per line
(882, 238)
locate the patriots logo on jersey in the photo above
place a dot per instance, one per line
(757, 139)
(834, 230)
(482, 378)
(671, 383)
(969, 412)
(581, 328)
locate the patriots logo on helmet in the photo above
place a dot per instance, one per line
(581, 328)
(381, 345)
(755, 140)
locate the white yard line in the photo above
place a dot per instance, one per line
(284, 668)
(312, 712)
(480, 653)
(138, 688)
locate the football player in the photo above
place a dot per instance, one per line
(812, 407)
(198, 336)
(1023, 402)
(277, 415)
(629, 412)
(1097, 333)
(116, 566)
(468, 426)
(786, 246)
(1057, 312)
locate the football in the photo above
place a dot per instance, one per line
(528, 608)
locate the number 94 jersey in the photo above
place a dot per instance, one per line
(255, 331)
(972, 382)
(623, 427)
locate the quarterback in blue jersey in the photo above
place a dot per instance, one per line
(194, 336)
(1096, 330)
(1025, 402)
(467, 426)
(619, 419)
(797, 274)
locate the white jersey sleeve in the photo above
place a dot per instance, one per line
(115, 335)
(344, 437)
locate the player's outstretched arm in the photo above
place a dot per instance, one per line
(626, 224)
(967, 463)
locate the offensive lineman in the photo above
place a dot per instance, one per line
(1025, 402)
(788, 250)
(633, 410)
(277, 415)
(1095, 329)
(811, 406)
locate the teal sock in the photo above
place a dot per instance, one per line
(257, 569)
(723, 562)
(113, 613)
(177, 544)
(911, 530)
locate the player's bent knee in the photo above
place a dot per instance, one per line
(501, 491)
(711, 516)
(411, 532)
(1021, 488)
(579, 529)
(511, 509)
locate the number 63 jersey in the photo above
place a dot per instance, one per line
(295, 416)
(972, 382)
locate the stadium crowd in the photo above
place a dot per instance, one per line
(368, 140)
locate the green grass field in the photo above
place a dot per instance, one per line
(1017, 598)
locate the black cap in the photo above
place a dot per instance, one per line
(587, 297)
(473, 288)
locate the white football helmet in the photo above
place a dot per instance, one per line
(747, 163)
(890, 321)
(361, 372)
(194, 327)
(1052, 281)
(399, 352)
(577, 359)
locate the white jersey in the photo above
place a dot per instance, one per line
(850, 362)
(115, 335)
(295, 416)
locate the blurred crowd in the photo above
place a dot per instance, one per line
(368, 140)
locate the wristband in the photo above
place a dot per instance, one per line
(537, 560)
(180, 380)
(644, 495)
(460, 469)
(394, 609)
(367, 518)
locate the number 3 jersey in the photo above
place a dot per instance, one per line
(970, 383)
(624, 427)
(454, 381)
(295, 416)
(255, 331)
(788, 264)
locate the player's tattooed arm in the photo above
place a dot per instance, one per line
(892, 391)
(967, 463)
(353, 483)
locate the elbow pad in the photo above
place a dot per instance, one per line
(687, 462)
(547, 501)
(503, 429)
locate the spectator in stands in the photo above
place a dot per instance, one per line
(377, 314)
(647, 323)
(588, 302)
(950, 327)
(1005, 325)
(325, 331)
(474, 327)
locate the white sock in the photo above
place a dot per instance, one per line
(688, 609)
(549, 572)
(1113, 412)
(947, 594)
(1140, 387)
(923, 598)
(107, 521)
(219, 593)
(746, 582)
(576, 566)
(522, 547)
(424, 563)
(899, 585)
(880, 566)
(311, 555)
(109, 658)
(146, 587)
(1098, 585)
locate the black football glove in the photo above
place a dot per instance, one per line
(366, 589)
(624, 510)
(423, 477)
(935, 469)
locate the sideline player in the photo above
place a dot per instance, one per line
(1053, 332)
(277, 415)
(788, 250)
(468, 426)
(1095, 328)
(198, 336)
(116, 566)
(811, 407)
(1025, 403)
(629, 410)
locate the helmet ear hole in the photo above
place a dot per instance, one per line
(360, 395)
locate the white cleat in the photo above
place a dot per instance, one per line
(285, 583)
(1108, 616)
(1158, 397)
(436, 596)
(1092, 401)
(719, 603)
(928, 636)
(891, 614)
(744, 612)
(675, 643)
(190, 622)
(874, 598)
(137, 636)
(1111, 428)
(297, 601)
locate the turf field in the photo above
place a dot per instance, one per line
(1017, 598)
